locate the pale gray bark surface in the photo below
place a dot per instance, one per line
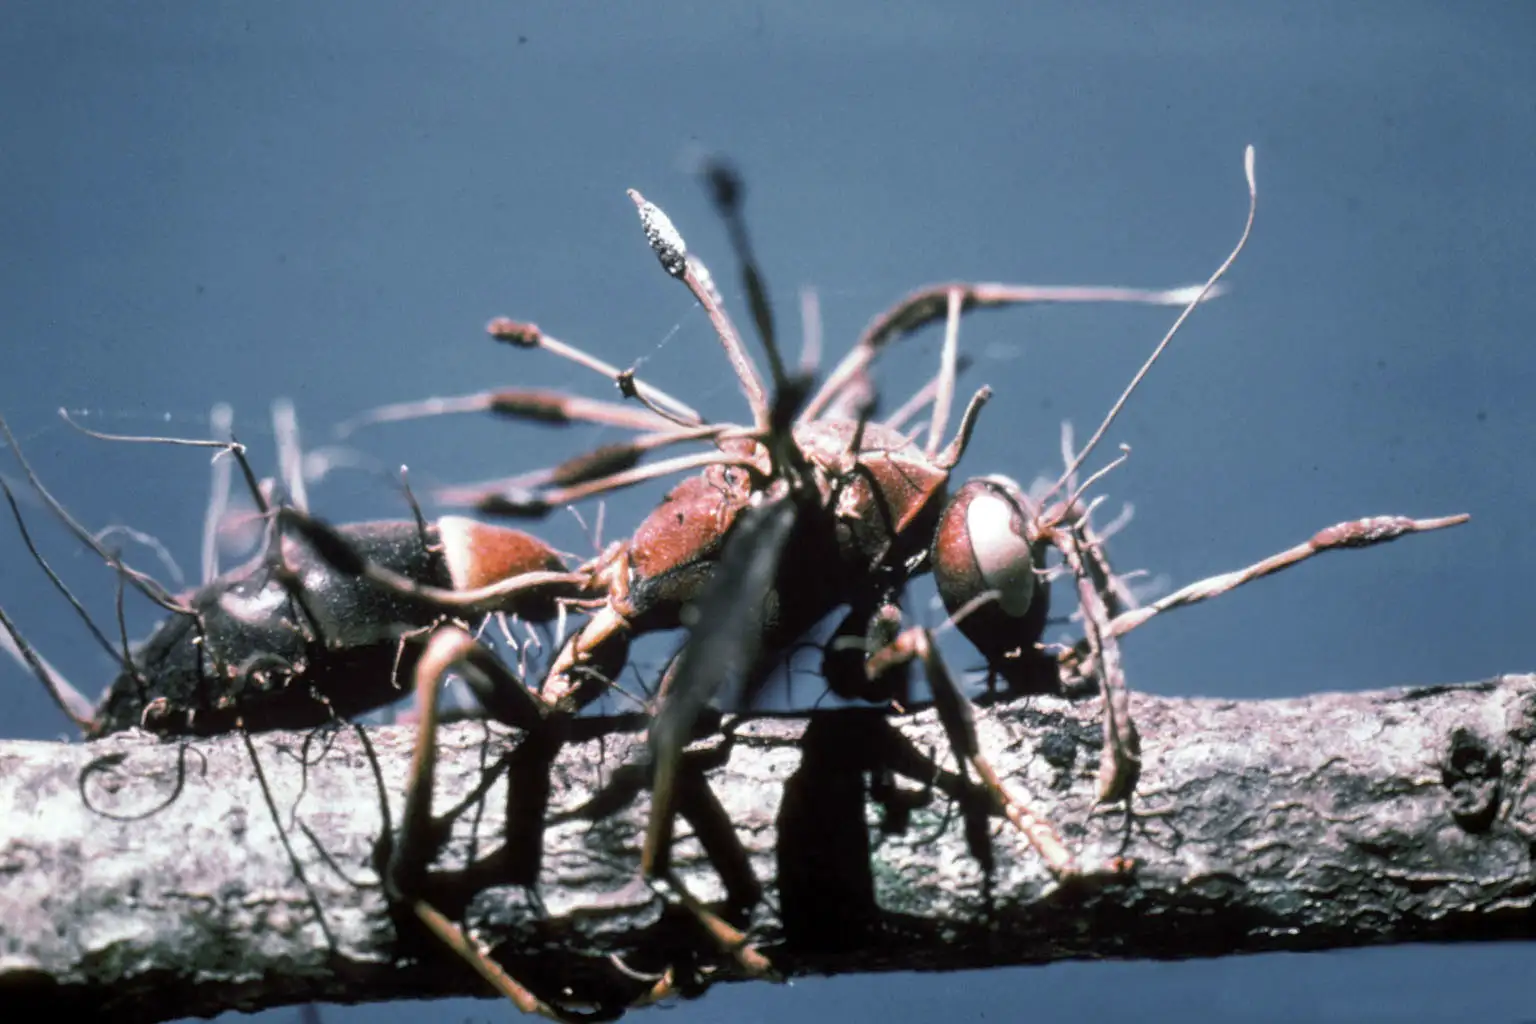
(1325, 821)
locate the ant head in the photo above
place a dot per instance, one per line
(985, 568)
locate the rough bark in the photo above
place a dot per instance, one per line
(1326, 821)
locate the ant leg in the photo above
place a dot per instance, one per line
(959, 721)
(450, 648)
(70, 700)
(498, 690)
(1120, 757)
(723, 647)
(698, 805)
(722, 650)
(1065, 527)
(692, 798)
(69, 695)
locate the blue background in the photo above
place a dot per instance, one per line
(238, 202)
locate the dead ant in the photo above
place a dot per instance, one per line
(315, 628)
(815, 506)
(859, 499)
(812, 507)
(286, 641)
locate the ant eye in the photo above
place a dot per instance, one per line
(1001, 551)
(980, 547)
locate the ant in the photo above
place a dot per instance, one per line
(303, 634)
(318, 626)
(859, 498)
(815, 506)
(286, 641)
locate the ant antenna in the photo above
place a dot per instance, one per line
(1210, 283)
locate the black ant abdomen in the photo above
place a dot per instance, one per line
(283, 644)
(325, 623)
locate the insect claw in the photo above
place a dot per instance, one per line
(509, 987)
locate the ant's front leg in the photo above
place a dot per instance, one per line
(959, 720)
(988, 554)
(1120, 760)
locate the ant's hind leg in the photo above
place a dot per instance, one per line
(453, 649)
(688, 794)
(699, 806)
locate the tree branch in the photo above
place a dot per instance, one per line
(1325, 821)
